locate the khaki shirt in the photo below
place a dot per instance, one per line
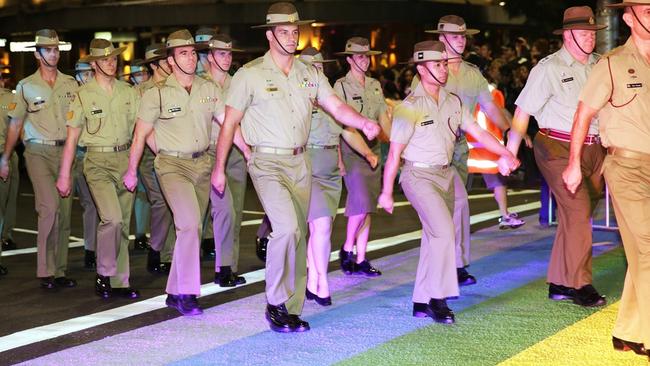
(552, 90)
(182, 121)
(625, 118)
(223, 90)
(144, 86)
(277, 106)
(42, 107)
(368, 100)
(325, 131)
(6, 98)
(105, 119)
(428, 128)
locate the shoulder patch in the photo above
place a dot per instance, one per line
(11, 106)
(545, 59)
(69, 115)
(254, 63)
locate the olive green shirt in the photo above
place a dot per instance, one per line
(428, 128)
(105, 119)
(619, 86)
(552, 90)
(43, 108)
(277, 107)
(6, 98)
(182, 121)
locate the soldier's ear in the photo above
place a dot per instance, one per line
(628, 18)
(170, 60)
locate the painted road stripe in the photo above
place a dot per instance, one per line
(587, 342)
(58, 329)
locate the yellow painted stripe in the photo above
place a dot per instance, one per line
(587, 342)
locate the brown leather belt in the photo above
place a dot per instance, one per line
(566, 137)
(630, 154)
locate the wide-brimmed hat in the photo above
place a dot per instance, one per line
(358, 46)
(311, 55)
(222, 42)
(100, 49)
(626, 3)
(579, 18)
(81, 65)
(153, 52)
(282, 13)
(204, 34)
(181, 38)
(453, 24)
(46, 38)
(430, 51)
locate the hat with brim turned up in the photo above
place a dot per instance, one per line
(628, 3)
(222, 42)
(181, 38)
(358, 46)
(101, 49)
(426, 51)
(282, 13)
(453, 24)
(46, 38)
(579, 18)
(311, 55)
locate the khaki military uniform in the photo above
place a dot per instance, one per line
(362, 182)
(277, 118)
(43, 109)
(429, 130)
(551, 95)
(226, 211)
(619, 86)
(107, 122)
(90, 216)
(163, 234)
(9, 188)
(182, 125)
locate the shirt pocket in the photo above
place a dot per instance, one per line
(95, 119)
(172, 110)
(36, 104)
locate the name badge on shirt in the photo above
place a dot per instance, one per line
(95, 111)
(635, 85)
(426, 123)
(567, 80)
(174, 110)
(357, 98)
(271, 89)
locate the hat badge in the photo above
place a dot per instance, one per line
(420, 55)
(107, 51)
(292, 18)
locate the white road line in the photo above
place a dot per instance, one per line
(61, 328)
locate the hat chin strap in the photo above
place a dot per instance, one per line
(639, 20)
(281, 46)
(102, 70)
(450, 46)
(40, 52)
(434, 77)
(578, 44)
(218, 65)
(180, 68)
(357, 65)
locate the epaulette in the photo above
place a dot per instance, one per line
(472, 65)
(255, 62)
(410, 99)
(612, 52)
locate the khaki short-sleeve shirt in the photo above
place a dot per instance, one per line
(325, 131)
(277, 107)
(182, 121)
(619, 86)
(552, 90)
(6, 98)
(105, 119)
(429, 129)
(223, 90)
(43, 108)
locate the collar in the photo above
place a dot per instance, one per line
(630, 48)
(269, 64)
(564, 54)
(443, 94)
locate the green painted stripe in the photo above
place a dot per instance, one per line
(499, 328)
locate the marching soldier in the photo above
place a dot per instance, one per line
(101, 120)
(9, 187)
(424, 132)
(551, 95)
(272, 97)
(617, 91)
(40, 104)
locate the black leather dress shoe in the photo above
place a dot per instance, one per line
(153, 263)
(346, 259)
(103, 286)
(3, 271)
(141, 243)
(227, 278)
(48, 282)
(65, 282)
(281, 321)
(207, 247)
(8, 244)
(464, 278)
(623, 345)
(298, 325)
(588, 296)
(90, 262)
(187, 305)
(366, 269)
(322, 301)
(435, 309)
(260, 248)
(559, 292)
(127, 292)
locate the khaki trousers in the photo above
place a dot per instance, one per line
(163, 234)
(104, 171)
(629, 183)
(570, 263)
(90, 216)
(226, 211)
(283, 185)
(53, 211)
(186, 186)
(9, 202)
(462, 239)
(431, 192)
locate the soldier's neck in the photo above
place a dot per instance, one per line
(358, 76)
(283, 61)
(432, 89)
(217, 75)
(159, 76)
(48, 74)
(577, 54)
(105, 82)
(454, 65)
(184, 80)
